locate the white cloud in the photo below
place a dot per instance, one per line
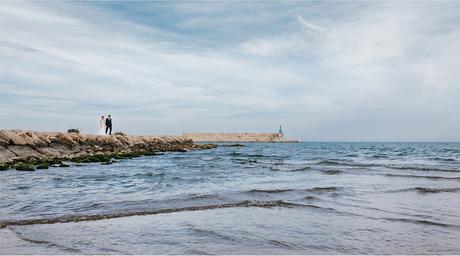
(307, 67)
(309, 25)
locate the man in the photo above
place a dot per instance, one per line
(108, 125)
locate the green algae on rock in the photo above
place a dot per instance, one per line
(42, 167)
(24, 167)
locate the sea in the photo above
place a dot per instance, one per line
(260, 198)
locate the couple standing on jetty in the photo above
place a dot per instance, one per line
(105, 125)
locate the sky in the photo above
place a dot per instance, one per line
(325, 71)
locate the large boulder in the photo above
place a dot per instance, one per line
(4, 139)
(78, 138)
(24, 151)
(14, 138)
(6, 155)
(108, 142)
(32, 140)
(64, 149)
(44, 137)
(50, 152)
(64, 138)
(124, 140)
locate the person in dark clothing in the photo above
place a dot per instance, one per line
(108, 125)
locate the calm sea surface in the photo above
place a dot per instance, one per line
(309, 198)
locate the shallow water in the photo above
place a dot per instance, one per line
(318, 198)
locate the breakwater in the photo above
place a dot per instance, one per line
(237, 137)
(27, 150)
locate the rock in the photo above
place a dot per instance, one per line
(63, 149)
(93, 159)
(43, 137)
(126, 155)
(4, 167)
(205, 146)
(6, 155)
(14, 138)
(32, 140)
(42, 166)
(233, 145)
(124, 140)
(51, 161)
(78, 138)
(4, 139)
(51, 152)
(65, 138)
(24, 151)
(24, 167)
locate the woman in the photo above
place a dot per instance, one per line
(101, 126)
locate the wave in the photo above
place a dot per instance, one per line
(210, 158)
(331, 172)
(245, 160)
(428, 190)
(210, 233)
(195, 196)
(329, 162)
(237, 154)
(352, 155)
(340, 163)
(269, 191)
(422, 176)
(423, 222)
(380, 156)
(421, 168)
(305, 168)
(443, 159)
(94, 217)
(276, 191)
(390, 166)
(436, 190)
(323, 189)
(47, 243)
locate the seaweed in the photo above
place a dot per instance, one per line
(42, 166)
(4, 167)
(24, 167)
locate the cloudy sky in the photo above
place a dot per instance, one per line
(329, 71)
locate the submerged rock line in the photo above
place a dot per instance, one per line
(79, 218)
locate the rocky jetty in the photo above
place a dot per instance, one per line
(30, 150)
(238, 137)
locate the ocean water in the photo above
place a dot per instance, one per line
(265, 198)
